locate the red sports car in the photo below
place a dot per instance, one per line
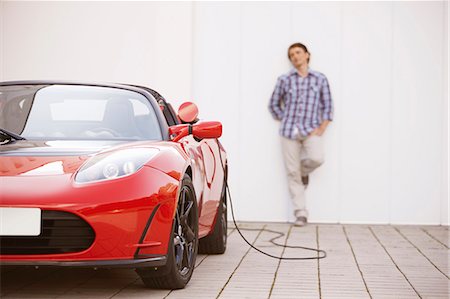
(107, 175)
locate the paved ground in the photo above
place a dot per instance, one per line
(363, 262)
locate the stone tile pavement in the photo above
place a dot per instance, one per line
(364, 261)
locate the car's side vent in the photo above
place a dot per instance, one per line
(61, 232)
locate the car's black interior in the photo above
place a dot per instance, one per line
(167, 109)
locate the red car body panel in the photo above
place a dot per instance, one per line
(132, 215)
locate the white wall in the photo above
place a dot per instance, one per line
(386, 151)
(146, 43)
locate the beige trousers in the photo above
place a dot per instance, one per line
(301, 157)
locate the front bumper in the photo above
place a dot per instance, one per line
(131, 217)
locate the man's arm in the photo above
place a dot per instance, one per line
(276, 100)
(327, 110)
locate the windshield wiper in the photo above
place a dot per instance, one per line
(12, 135)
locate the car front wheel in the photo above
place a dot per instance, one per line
(183, 245)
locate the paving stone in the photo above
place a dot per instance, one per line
(363, 261)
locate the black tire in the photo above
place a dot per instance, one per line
(184, 239)
(216, 242)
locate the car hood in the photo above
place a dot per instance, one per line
(55, 147)
(56, 157)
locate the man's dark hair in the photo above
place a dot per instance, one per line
(298, 45)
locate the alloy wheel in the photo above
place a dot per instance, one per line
(185, 232)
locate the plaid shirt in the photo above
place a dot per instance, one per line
(301, 104)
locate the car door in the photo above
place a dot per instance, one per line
(204, 169)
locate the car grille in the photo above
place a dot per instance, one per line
(61, 232)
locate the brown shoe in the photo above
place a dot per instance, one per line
(305, 180)
(301, 221)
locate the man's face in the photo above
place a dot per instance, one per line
(298, 56)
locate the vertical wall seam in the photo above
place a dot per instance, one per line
(341, 97)
(444, 199)
(240, 99)
(446, 98)
(441, 168)
(391, 121)
(288, 212)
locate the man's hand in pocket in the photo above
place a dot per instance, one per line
(317, 132)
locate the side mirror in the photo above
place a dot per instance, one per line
(188, 112)
(207, 129)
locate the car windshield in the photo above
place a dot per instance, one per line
(77, 112)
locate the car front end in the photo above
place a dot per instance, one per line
(76, 184)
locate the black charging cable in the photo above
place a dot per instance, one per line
(320, 253)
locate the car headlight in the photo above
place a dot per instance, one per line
(108, 166)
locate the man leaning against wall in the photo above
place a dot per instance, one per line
(302, 102)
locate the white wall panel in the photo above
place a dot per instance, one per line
(417, 112)
(216, 80)
(265, 35)
(366, 111)
(172, 44)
